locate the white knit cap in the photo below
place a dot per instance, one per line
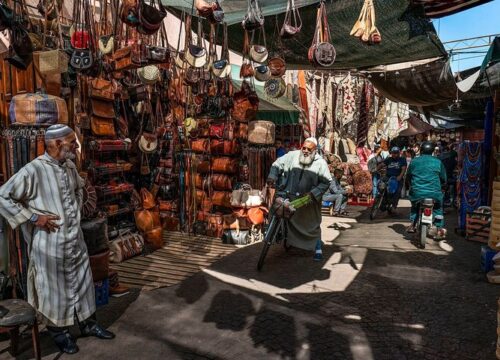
(57, 131)
(312, 140)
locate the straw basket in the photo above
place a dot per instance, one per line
(51, 61)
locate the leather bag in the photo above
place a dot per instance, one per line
(103, 109)
(148, 143)
(95, 234)
(293, 22)
(81, 59)
(254, 18)
(169, 205)
(149, 75)
(322, 52)
(215, 225)
(261, 132)
(129, 13)
(150, 17)
(215, 181)
(221, 198)
(37, 109)
(275, 88)
(200, 145)
(106, 44)
(102, 127)
(148, 200)
(246, 70)
(122, 59)
(262, 73)
(20, 40)
(224, 147)
(144, 220)
(277, 66)
(245, 104)
(126, 246)
(224, 165)
(102, 89)
(245, 197)
(154, 238)
(157, 55)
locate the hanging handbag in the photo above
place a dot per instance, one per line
(224, 147)
(196, 55)
(150, 17)
(6, 17)
(254, 18)
(102, 109)
(129, 13)
(275, 88)
(102, 89)
(222, 68)
(20, 40)
(322, 52)
(149, 75)
(200, 145)
(258, 53)
(245, 197)
(102, 127)
(293, 22)
(262, 73)
(122, 59)
(82, 59)
(224, 165)
(261, 132)
(245, 104)
(148, 143)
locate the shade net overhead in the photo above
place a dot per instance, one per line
(406, 33)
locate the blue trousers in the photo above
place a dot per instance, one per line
(339, 200)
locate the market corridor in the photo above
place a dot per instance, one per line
(375, 296)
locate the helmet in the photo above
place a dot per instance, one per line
(427, 148)
(395, 149)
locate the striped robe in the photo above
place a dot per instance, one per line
(59, 279)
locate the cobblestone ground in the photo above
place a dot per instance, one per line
(375, 296)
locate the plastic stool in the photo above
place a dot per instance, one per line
(17, 313)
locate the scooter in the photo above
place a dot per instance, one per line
(423, 220)
(383, 200)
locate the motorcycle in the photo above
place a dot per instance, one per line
(383, 200)
(424, 220)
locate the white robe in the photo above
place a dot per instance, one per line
(59, 278)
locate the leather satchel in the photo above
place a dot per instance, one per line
(224, 165)
(154, 238)
(200, 145)
(99, 265)
(103, 109)
(126, 246)
(102, 126)
(215, 225)
(157, 55)
(102, 89)
(95, 234)
(221, 198)
(277, 66)
(293, 22)
(224, 147)
(122, 59)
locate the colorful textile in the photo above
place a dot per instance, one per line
(37, 109)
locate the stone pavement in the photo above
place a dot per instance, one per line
(375, 296)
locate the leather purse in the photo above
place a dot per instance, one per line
(80, 39)
(99, 265)
(261, 132)
(95, 234)
(154, 238)
(246, 70)
(221, 198)
(150, 17)
(102, 89)
(222, 68)
(224, 165)
(148, 200)
(148, 143)
(20, 40)
(277, 66)
(322, 52)
(262, 73)
(106, 44)
(254, 18)
(157, 55)
(102, 109)
(258, 53)
(122, 59)
(169, 205)
(215, 225)
(82, 59)
(293, 22)
(102, 127)
(126, 246)
(275, 88)
(224, 147)
(200, 145)
(144, 220)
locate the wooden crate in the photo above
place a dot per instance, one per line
(477, 227)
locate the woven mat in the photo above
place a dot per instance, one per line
(180, 257)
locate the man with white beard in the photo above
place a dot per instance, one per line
(298, 173)
(44, 198)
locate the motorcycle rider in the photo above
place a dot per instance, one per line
(426, 176)
(396, 167)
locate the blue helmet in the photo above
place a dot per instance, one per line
(395, 149)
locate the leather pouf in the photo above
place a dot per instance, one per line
(362, 182)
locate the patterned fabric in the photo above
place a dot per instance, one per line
(440, 8)
(362, 182)
(59, 278)
(36, 109)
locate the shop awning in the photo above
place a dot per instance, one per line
(406, 33)
(440, 8)
(415, 126)
(280, 111)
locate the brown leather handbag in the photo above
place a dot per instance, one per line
(224, 147)
(277, 66)
(322, 52)
(221, 182)
(102, 127)
(102, 89)
(104, 109)
(203, 167)
(215, 225)
(148, 200)
(200, 145)
(99, 265)
(242, 132)
(224, 165)
(245, 104)
(122, 59)
(144, 220)
(154, 238)
(293, 22)
(169, 205)
(221, 198)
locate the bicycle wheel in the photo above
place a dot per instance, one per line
(423, 235)
(268, 241)
(375, 207)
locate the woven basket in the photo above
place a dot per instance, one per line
(51, 61)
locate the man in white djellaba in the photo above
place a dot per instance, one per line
(44, 199)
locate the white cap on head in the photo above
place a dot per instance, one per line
(312, 140)
(57, 131)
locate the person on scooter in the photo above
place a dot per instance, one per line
(426, 176)
(396, 167)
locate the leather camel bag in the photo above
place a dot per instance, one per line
(200, 145)
(261, 132)
(221, 198)
(102, 89)
(102, 126)
(293, 22)
(215, 225)
(254, 18)
(322, 52)
(224, 147)
(95, 234)
(224, 165)
(126, 246)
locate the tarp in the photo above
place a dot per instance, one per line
(415, 126)
(400, 41)
(440, 8)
